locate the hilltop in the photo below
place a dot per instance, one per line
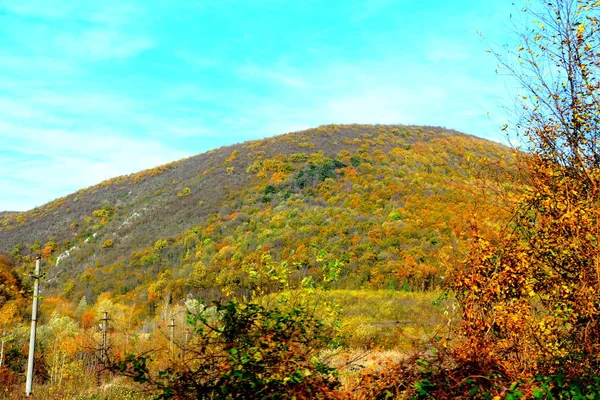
(383, 206)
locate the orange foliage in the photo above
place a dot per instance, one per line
(88, 319)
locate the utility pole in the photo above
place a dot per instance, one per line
(103, 352)
(34, 313)
(187, 337)
(172, 338)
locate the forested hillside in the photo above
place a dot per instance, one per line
(379, 206)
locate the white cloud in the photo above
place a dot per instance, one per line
(97, 45)
(57, 162)
(387, 91)
(372, 8)
(278, 74)
(189, 92)
(107, 11)
(36, 8)
(33, 67)
(117, 13)
(62, 142)
(172, 127)
(73, 31)
(385, 105)
(441, 50)
(15, 109)
(80, 103)
(198, 60)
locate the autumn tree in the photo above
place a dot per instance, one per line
(531, 299)
(11, 295)
(10, 283)
(8, 314)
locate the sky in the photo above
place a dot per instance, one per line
(90, 90)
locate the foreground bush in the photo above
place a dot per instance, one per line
(245, 351)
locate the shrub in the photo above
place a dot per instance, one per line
(246, 351)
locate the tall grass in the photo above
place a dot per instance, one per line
(391, 319)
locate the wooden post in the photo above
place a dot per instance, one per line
(34, 313)
(103, 354)
(2, 353)
(187, 338)
(172, 338)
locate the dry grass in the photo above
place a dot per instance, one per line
(392, 320)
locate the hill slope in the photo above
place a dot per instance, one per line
(385, 205)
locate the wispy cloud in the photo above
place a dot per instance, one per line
(443, 50)
(35, 67)
(391, 91)
(371, 9)
(52, 162)
(80, 102)
(97, 45)
(36, 8)
(200, 61)
(75, 31)
(107, 11)
(279, 74)
(61, 142)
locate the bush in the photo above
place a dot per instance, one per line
(245, 351)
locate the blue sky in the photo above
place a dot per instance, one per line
(92, 90)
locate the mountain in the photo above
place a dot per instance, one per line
(380, 206)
